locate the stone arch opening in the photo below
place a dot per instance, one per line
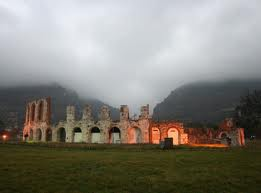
(48, 134)
(40, 111)
(115, 135)
(134, 135)
(33, 112)
(174, 134)
(26, 137)
(39, 134)
(31, 135)
(61, 134)
(223, 135)
(225, 138)
(155, 135)
(95, 135)
(77, 135)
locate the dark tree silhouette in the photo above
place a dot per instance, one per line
(248, 113)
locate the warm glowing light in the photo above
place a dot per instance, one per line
(4, 137)
(209, 145)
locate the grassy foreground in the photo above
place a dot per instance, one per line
(32, 168)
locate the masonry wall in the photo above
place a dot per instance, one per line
(72, 130)
(168, 129)
(37, 120)
(105, 125)
(38, 128)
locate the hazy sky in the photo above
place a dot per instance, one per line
(128, 52)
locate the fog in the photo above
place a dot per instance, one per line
(128, 52)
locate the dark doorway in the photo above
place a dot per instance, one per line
(61, 135)
(48, 134)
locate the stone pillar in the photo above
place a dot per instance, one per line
(37, 107)
(34, 135)
(69, 133)
(30, 112)
(124, 113)
(26, 114)
(47, 110)
(54, 135)
(70, 113)
(104, 113)
(87, 113)
(43, 135)
(144, 112)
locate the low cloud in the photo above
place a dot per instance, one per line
(128, 52)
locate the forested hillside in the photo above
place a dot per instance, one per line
(207, 102)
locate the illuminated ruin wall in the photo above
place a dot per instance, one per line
(38, 127)
(86, 129)
(226, 134)
(37, 120)
(168, 129)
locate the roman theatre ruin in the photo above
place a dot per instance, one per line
(38, 128)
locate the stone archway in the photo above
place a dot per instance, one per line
(27, 114)
(155, 135)
(26, 137)
(115, 135)
(32, 112)
(174, 134)
(95, 135)
(38, 134)
(31, 135)
(134, 135)
(48, 134)
(61, 134)
(77, 135)
(40, 111)
(223, 135)
(225, 138)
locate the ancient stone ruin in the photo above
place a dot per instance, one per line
(38, 128)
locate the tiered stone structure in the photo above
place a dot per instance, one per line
(38, 127)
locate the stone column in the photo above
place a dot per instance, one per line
(87, 113)
(124, 113)
(70, 114)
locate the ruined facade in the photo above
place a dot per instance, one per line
(38, 128)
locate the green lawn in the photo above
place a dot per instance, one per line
(31, 168)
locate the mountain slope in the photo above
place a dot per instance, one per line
(204, 101)
(14, 100)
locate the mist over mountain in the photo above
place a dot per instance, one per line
(205, 102)
(14, 99)
(128, 52)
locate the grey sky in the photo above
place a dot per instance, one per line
(128, 52)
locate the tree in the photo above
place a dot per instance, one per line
(248, 113)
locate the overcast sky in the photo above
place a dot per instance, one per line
(128, 52)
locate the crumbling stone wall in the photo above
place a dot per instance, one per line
(38, 127)
(165, 129)
(226, 134)
(37, 120)
(104, 125)
(200, 136)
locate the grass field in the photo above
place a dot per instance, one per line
(35, 168)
